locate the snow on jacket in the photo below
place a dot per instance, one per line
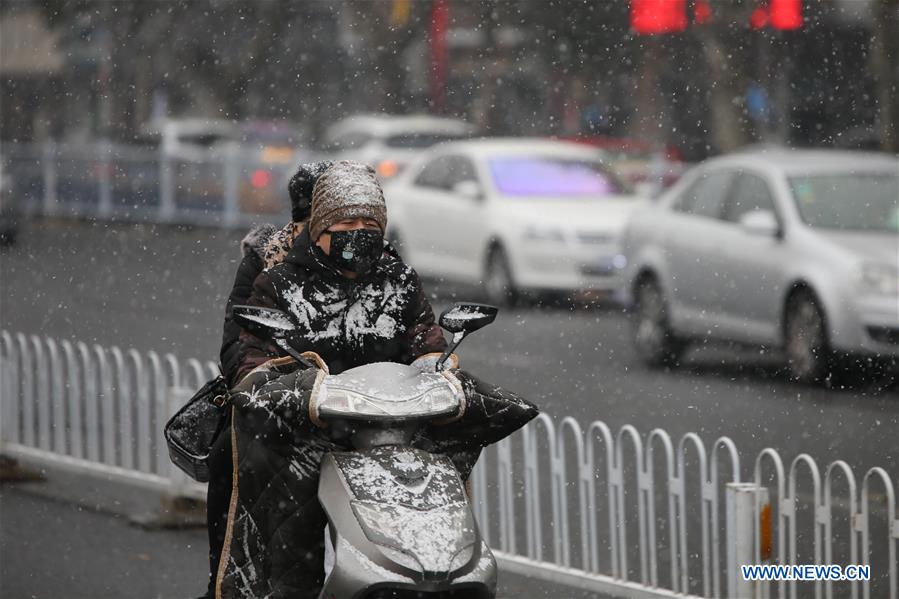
(263, 247)
(275, 541)
(383, 316)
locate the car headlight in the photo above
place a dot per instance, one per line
(436, 401)
(544, 235)
(882, 279)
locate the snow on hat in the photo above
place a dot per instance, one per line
(347, 189)
(300, 188)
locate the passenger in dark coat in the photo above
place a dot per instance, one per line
(263, 247)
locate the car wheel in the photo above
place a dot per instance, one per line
(655, 342)
(805, 339)
(499, 286)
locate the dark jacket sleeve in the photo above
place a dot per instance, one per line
(249, 269)
(253, 351)
(423, 334)
(492, 413)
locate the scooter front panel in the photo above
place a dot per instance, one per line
(440, 540)
(409, 477)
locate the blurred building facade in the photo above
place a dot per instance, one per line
(517, 67)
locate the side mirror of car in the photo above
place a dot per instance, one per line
(468, 189)
(760, 222)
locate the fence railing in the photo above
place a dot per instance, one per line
(612, 512)
(94, 408)
(101, 180)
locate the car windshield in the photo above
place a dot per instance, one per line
(857, 202)
(525, 176)
(420, 140)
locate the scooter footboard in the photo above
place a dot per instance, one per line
(399, 518)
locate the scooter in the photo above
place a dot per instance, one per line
(400, 524)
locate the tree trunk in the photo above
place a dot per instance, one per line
(726, 97)
(649, 105)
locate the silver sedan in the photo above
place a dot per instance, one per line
(791, 249)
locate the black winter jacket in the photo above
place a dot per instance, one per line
(263, 246)
(383, 316)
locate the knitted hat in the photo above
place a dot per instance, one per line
(346, 190)
(300, 188)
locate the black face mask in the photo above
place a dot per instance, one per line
(356, 250)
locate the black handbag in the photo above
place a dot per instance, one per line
(191, 432)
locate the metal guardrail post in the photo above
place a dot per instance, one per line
(166, 188)
(48, 166)
(57, 386)
(92, 400)
(892, 536)
(772, 456)
(43, 394)
(728, 444)
(506, 496)
(682, 511)
(104, 180)
(789, 508)
(828, 521)
(232, 182)
(741, 528)
(664, 441)
(27, 397)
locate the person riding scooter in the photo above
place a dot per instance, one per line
(360, 306)
(354, 302)
(392, 440)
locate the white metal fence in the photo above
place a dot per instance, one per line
(134, 183)
(94, 408)
(616, 513)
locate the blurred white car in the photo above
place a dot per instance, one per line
(390, 142)
(514, 214)
(190, 139)
(791, 249)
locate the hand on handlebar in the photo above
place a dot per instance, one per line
(428, 362)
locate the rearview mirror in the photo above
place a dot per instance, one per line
(467, 318)
(760, 222)
(462, 319)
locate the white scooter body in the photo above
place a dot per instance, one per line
(400, 523)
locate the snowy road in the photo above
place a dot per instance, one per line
(70, 537)
(164, 288)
